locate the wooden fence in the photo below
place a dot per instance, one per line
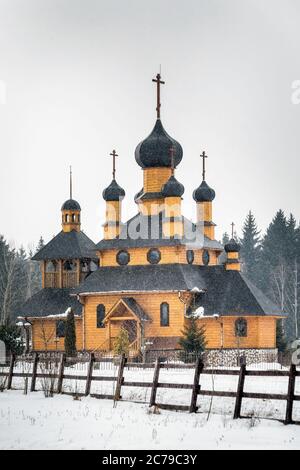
(155, 384)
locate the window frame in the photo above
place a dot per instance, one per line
(164, 322)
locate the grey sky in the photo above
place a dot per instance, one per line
(78, 84)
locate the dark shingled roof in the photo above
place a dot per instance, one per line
(50, 302)
(224, 292)
(146, 231)
(113, 192)
(232, 246)
(154, 151)
(204, 193)
(136, 308)
(231, 293)
(172, 188)
(70, 205)
(68, 245)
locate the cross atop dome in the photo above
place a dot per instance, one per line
(158, 82)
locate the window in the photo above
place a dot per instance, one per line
(73, 218)
(241, 327)
(164, 314)
(66, 218)
(70, 265)
(205, 257)
(123, 257)
(100, 316)
(51, 267)
(190, 256)
(153, 256)
(60, 329)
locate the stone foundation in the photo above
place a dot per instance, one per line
(234, 357)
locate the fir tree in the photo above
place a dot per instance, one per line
(281, 342)
(40, 245)
(121, 345)
(225, 238)
(193, 339)
(250, 247)
(70, 335)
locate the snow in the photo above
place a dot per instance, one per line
(34, 422)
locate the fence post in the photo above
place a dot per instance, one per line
(61, 372)
(240, 392)
(290, 395)
(11, 371)
(198, 369)
(155, 382)
(120, 378)
(34, 371)
(89, 374)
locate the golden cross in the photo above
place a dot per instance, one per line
(172, 153)
(114, 155)
(203, 156)
(158, 82)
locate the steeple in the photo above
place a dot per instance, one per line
(204, 195)
(113, 195)
(172, 191)
(71, 210)
(232, 249)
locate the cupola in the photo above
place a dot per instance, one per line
(71, 212)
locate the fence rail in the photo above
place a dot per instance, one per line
(239, 394)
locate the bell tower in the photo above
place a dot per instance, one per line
(71, 212)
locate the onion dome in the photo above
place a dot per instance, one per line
(204, 193)
(232, 246)
(113, 192)
(172, 188)
(71, 205)
(154, 151)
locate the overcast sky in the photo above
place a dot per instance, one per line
(75, 82)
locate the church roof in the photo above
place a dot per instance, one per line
(172, 188)
(204, 193)
(223, 292)
(71, 205)
(50, 301)
(146, 231)
(136, 308)
(154, 151)
(113, 192)
(68, 245)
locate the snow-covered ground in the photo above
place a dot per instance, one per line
(35, 422)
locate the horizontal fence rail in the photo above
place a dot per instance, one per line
(40, 369)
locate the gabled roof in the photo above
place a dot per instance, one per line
(222, 292)
(68, 245)
(131, 304)
(146, 231)
(50, 301)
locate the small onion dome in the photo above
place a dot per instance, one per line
(71, 205)
(204, 193)
(232, 246)
(172, 188)
(154, 151)
(113, 192)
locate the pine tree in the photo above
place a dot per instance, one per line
(281, 342)
(121, 345)
(225, 238)
(250, 247)
(193, 339)
(70, 334)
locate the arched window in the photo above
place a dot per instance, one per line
(50, 267)
(70, 265)
(60, 329)
(164, 314)
(66, 218)
(78, 218)
(100, 316)
(241, 327)
(73, 218)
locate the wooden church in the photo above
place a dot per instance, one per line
(151, 273)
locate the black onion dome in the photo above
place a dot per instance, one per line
(113, 192)
(71, 205)
(172, 188)
(232, 246)
(204, 193)
(154, 151)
